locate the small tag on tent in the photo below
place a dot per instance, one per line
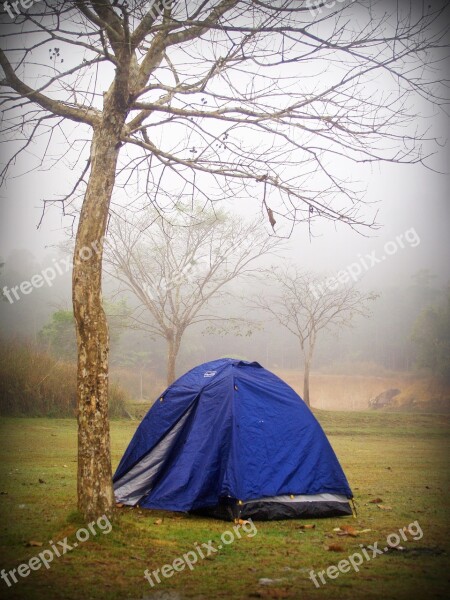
(209, 373)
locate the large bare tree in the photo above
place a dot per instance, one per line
(178, 268)
(304, 304)
(246, 99)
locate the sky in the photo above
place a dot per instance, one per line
(407, 198)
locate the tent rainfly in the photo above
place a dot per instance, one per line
(229, 439)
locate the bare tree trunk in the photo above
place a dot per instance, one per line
(95, 493)
(173, 347)
(308, 360)
(306, 382)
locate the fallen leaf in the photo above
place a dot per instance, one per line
(119, 504)
(34, 543)
(241, 522)
(306, 527)
(375, 501)
(384, 507)
(335, 548)
(348, 530)
(158, 521)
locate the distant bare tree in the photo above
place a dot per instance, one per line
(176, 269)
(275, 101)
(303, 305)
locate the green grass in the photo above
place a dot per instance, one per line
(401, 459)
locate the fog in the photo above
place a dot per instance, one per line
(411, 203)
(408, 203)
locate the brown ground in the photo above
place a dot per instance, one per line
(353, 392)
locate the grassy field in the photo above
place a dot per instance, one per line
(399, 459)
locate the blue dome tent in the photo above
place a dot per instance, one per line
(230, 439)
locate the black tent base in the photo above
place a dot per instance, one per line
(273, 509)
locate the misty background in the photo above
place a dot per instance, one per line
(408, 200)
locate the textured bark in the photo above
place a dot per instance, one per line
(95, 494)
